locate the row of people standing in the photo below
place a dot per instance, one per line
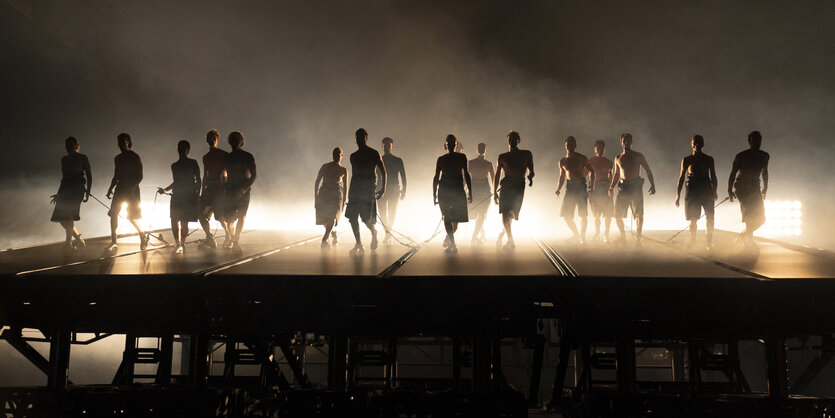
(222, 190)
(697, 174)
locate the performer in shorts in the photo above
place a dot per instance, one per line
(744, 185)
(211, 196)
(363, 192)
(628, 178)
(126, 178)
(448, 190)
(74, 189)
(515, 163)
(701, 187)
(395, 185)
(240, 175)
(574, 167)
(329, 195)
(602, 205)
(185, 198)
(481, 172)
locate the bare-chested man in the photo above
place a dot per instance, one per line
(628, 178)
(126, 178)
(481, 172)
(363, 192)
(575, 166)
(701, 187)
(240, 175)
(515, 164)
(211, 197)
(329, 194)
(75, 188)
(395, 185)
(448, 190)
(602, 205)
(744, 184)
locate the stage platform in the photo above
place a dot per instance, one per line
(286, 278)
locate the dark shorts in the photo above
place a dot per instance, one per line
(130, 197)
(68, 199)
(699, 195)
(453, 201)
(750, 199)
(237, 203)
(481, 198)
(601, 203)
(185, 206)
(511, 196)
(361, 200)
(630, 195)
(211, 200)
(329, 204)
(576, 196)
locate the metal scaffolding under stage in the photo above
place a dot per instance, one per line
(284, 327)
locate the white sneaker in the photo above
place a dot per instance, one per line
(112, 247)
(179, 249)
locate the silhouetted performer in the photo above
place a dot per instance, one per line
(329, 194)
(481, 172)
(395, 175)
(602, 205)
(362, 198)
(744, 184)
(574, 167)
(448, 190)
(240, 175)
(628, 179)
(75, 188)
(185, 198)
(126, 178)
(701, 187)
(515, 163)
(211, 197)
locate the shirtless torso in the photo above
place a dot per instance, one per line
(240, 168)
(481, 169)
(602, 168)
(576, 166)
(628, 167)
(333, 173)
(214, 163)
(750, 164)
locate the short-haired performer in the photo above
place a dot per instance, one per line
(211, 195)
(701, 187)
(75, 186)
(329, 194)
(126, 178)
(628, 179)
(744, 184)
(240, 175)
(186, 194)
(515, 163)
(602, 205)
(574, 168)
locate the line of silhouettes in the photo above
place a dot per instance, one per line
(462, 189)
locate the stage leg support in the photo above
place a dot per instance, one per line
(337, 362)
(536, 370)
(775, 357)
(59, 359)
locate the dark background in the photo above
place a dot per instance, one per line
(298, 78)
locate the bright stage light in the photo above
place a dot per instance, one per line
(783, 218)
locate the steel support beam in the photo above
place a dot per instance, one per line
(337, 362)
(775, 357)
(562, 370)
(294, 362)
(198, 360)
(166, 349)
(626, 371)
(59, 359)
(815, 366)
(536, 370)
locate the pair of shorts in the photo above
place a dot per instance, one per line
(329, 204)
(184, 206)
(362, 202)
(511, 195)
(601, 203)
(237, 203)
(750, 201)
(131, 197)
(630, 195)
(211, 200)
(699, 195)
(453, 201)
(481, 198)
(576, 196)
(68, 199)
